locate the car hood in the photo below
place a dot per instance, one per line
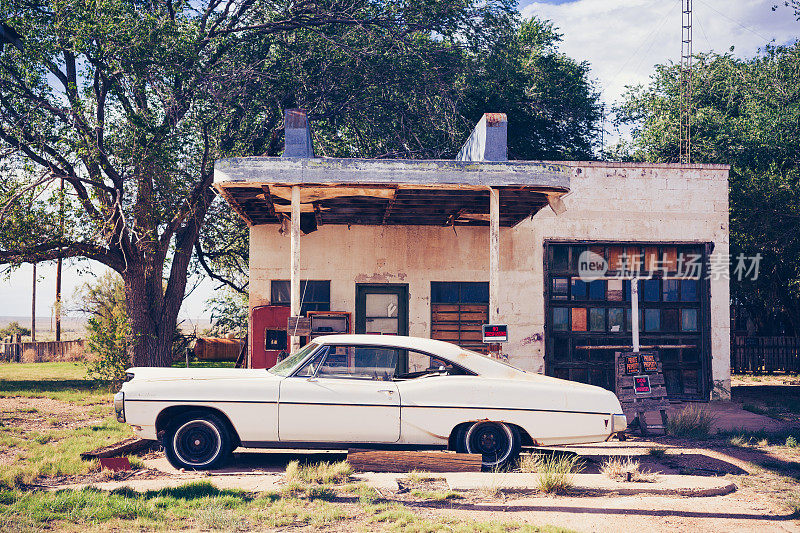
(147, 373)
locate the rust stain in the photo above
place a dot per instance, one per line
(380, 277)
(495, 119)
(425, 431)
(296, 119)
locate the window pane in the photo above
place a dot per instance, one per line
(689, 290)
(614, 290)
(317, 291)
(671, 287)
(576, 255)
(420, 362)
(559, 290)
(615, 257)
(597, 319)
(560, 257)
(651, 290)
(561, 349)
(444, 292)
(381, 305)
(690, 355)
(670, 258)
(652, 319)
(578, 319)
(615, 317)
(688, 319)
(385, 326)
(579, 289)
(280, 292)
(629, 323)
(475, 292)
(669, 319)
(560, 318)
(597, 290)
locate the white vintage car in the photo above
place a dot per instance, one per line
(345, 391)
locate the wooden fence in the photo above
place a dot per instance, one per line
(765, 354)
(40, 352)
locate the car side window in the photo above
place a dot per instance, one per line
(359, 362)
(417, 364)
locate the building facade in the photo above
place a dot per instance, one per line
(668, 223)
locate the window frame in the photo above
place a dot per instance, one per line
(307, 305)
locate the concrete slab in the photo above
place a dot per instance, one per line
(664, 484)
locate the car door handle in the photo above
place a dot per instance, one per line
(387, 391)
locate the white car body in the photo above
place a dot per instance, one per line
(268, 410)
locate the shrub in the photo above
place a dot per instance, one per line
(693, 422)
(791, 442)
(554, 470)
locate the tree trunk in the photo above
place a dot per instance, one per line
(151, 322)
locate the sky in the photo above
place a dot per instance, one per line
(621, 40)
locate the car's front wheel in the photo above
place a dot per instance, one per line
(498, 443)
(197, 440)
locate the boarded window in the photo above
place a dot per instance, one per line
(458, 310)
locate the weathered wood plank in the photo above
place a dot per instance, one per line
(127, 446)
(405, 461)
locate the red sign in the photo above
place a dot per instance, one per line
(641, 384)
(495, 333)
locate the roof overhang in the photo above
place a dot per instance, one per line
(389, 192)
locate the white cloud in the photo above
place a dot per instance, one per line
(623, 39)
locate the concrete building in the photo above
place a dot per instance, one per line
(437, 248)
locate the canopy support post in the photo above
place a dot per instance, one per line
(295, 262)
(494, 259)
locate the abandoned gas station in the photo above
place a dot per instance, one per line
(434, 248)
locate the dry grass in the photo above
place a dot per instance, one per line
(692, 422)
(626, 469)
(323, 473)
(554, 470)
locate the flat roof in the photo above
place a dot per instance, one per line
(388, 191)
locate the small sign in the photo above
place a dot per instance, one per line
(641, 384)
(632, 364)
(495, 333)
(299, 326)
(649, 363)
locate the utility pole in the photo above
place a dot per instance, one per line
(33, 307)
(685, 136)
(58, 267)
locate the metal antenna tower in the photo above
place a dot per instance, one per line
(686, 83)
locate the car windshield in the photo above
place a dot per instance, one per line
(285, 367)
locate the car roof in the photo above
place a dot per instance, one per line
(470, 360)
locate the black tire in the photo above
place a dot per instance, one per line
(197, 440)
(498, 443)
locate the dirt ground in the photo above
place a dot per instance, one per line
(765, 477)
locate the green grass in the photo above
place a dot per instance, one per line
(202, 506)
(60, 381)
(55, 452)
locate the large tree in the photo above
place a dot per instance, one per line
(418, 101)
(746, 113)
(130, 101)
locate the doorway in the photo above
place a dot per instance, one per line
(382, 309)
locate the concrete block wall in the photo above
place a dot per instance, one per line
(608, 201)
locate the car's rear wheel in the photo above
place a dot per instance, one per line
(197, 440)
(498, 443)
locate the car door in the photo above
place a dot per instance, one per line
(344, 394)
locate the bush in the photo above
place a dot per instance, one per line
(554, 470)
(107, 329)
(693, 422)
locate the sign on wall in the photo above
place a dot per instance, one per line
(493, 333)
(640, 385)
